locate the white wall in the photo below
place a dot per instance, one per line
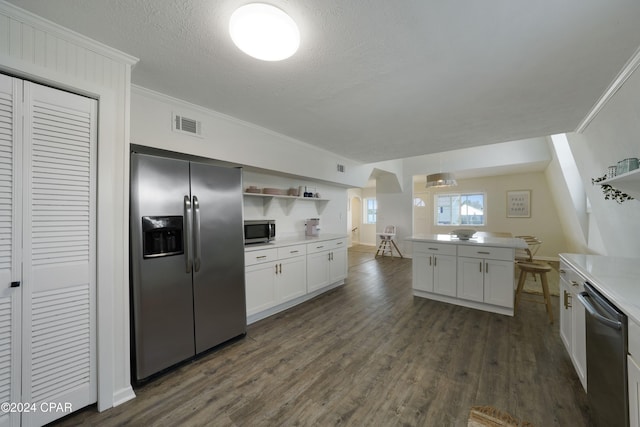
(613, 135)
(567, 191)
(232, 140)
(42, 51)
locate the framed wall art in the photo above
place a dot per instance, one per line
(519, 204)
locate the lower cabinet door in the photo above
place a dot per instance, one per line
(498, 282)
(338, 265)
(292, 278)
(422, 265)
(444, 275)
(317, 271)
(579, 339)
(471, 279)
(634, 392)
(566, 315)
(260, 284)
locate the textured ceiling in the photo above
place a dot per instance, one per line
(375, 79)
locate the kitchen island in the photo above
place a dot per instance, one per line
(476, 273)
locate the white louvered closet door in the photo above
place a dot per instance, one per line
(10, 297)
(58, 348)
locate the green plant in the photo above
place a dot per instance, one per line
(610, 193)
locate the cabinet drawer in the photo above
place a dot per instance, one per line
(258, 257)
(292, 251)
(488, 252)
(434, 248)
(326, 245)
(634, 341)
(338, 243)
(571, 277)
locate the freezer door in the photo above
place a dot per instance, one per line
(218, 278)
(161, 289)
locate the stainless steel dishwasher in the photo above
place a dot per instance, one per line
(606, 330)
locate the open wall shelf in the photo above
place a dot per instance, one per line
(628, 182)
(267, 199)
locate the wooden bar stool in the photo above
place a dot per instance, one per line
(541, 270)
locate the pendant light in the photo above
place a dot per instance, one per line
(442, 179)
(264, 32)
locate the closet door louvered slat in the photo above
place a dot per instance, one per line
(58, 358)
(10, 298)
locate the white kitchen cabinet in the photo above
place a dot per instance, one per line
(566, 315)
(434, 268)
(486, 275)
(572, 320)
(274, 276)
(284, 275)
(47, 249)
(260, 287)
(291, 279)
(634, 391)
(633, 373)
(326, 263)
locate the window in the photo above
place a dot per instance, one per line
(370, 210)
(459, 209)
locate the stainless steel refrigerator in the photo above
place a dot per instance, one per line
(187, 260)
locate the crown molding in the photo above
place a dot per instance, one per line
(615, 86)
(63, 33)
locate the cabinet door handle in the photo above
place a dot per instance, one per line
(484, 253)
(276, 268)
(574, 283)
(261, 257)
(280, 268)
(339, 243)
(293, 252)
(486, 267)
(435, 261)
(433, 249)
(562, 271)
(319, 247)
(429, 259)
(480, 266)
(567, 296)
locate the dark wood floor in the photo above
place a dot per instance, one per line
(368, 354)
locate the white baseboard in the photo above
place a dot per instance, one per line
(123, 395)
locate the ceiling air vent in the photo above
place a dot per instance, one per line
(185, 125)
(340, 168)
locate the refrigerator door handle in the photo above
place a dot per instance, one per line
(189, 226)
(196, 234)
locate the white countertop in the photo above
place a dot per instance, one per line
(500, 242)
(617, 278)
(294, 240)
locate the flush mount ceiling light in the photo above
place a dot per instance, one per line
(441, 180)
(264, 32)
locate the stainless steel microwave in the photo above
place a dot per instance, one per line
(259, 231)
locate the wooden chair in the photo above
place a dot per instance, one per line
(541, 270)
(527, 254)
(387, 243)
